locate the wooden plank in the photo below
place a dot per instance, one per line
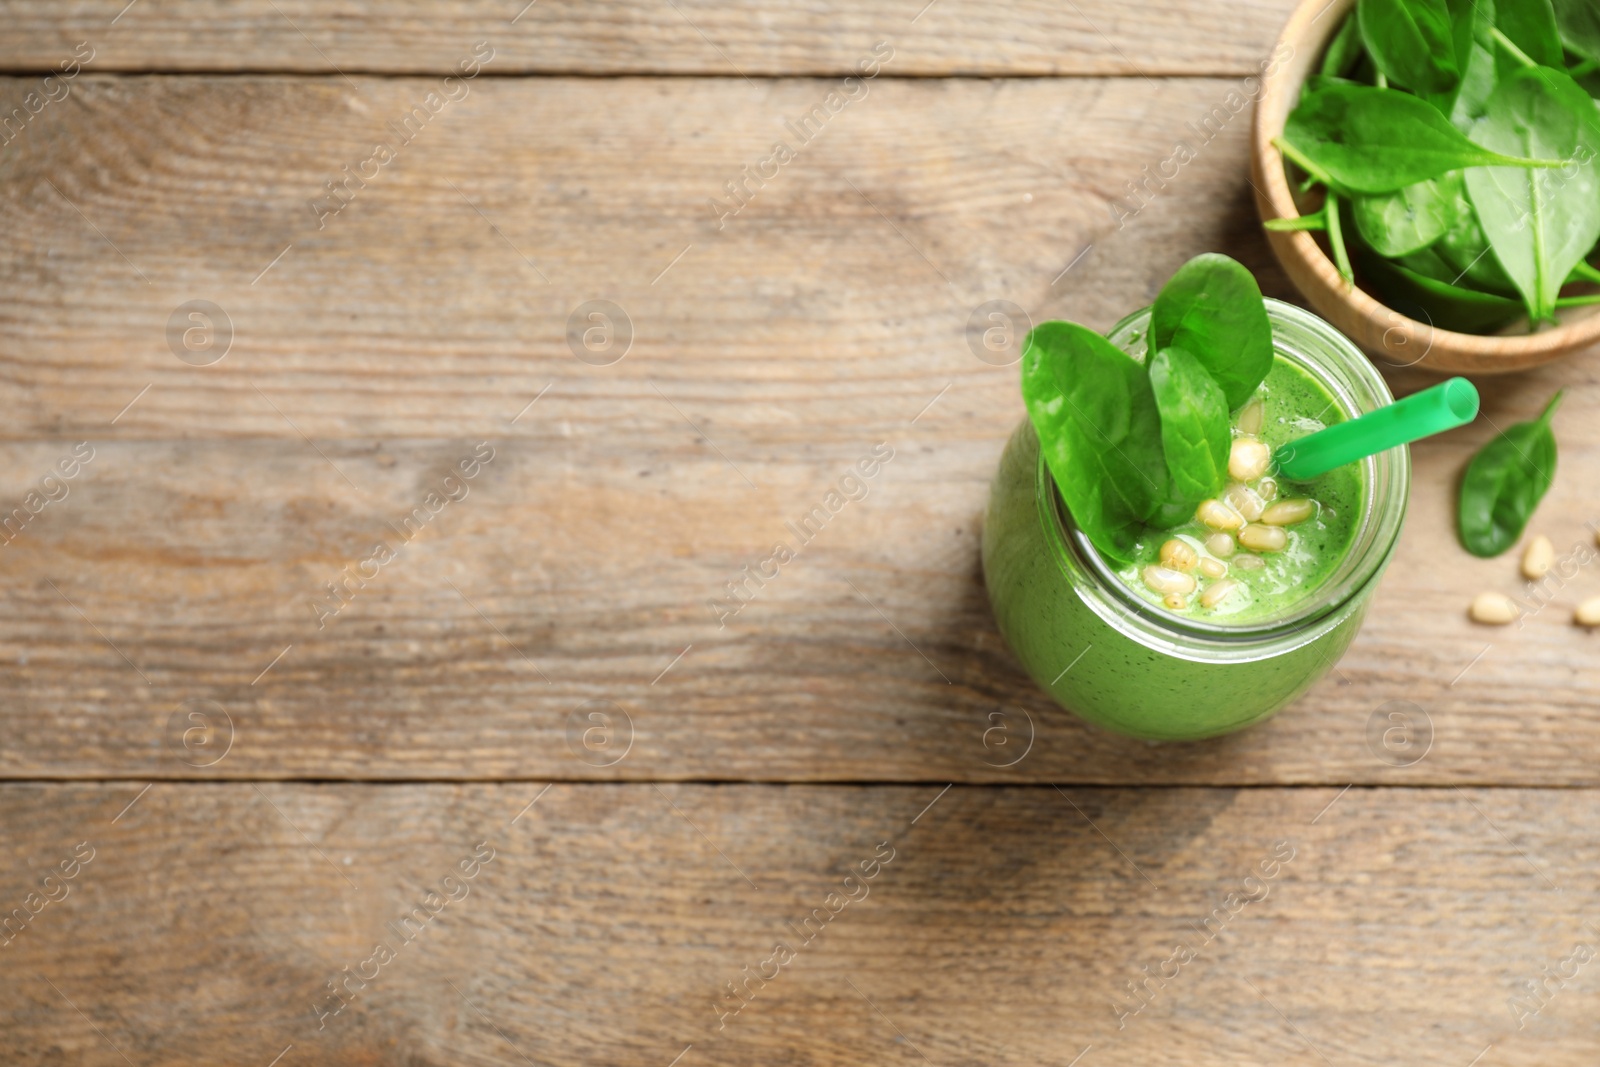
(180, 573)
(186, 559)
(1367, 927)
(821, 37)
(840, 295)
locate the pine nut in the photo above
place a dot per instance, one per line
(1289, 512)
(1253, 416)
(1213, 568)
(1493, 609)
(1249, 563)
(1248, 459)
(1220, 545)
(1179, 555)
(1245, 501)
(1268, 488)
(1217, 592)
(1537, 558)
(1588, 613)
(1217, 515)
(1167, 580)
(1175, 602)
(1264, 538)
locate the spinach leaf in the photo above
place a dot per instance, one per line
(1195, 434)
(1531, 26)
(1401, 222)
(1427, 298)
(1430, 264)
(1344, 51)
(1412, 43)
(1505, 482)
(1477, 53)
(1212, 309)
(1092, 407)
(1317, 81)
(1540, 224)
(1464, 248)
(1173, 510)
(1366, 71)
(1579, 24)
(1364, 140)
(1589, 79)
(1463, 257)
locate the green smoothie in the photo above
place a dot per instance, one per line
(1115, 651)
(1265, 584)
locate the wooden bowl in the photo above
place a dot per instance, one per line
(1388, 336)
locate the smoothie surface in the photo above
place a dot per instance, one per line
(1294, 405)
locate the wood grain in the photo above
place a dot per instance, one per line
(437, 303)
(546, 619)
(945, 37)
(369, 362)
(555, 583)
(1395, 927)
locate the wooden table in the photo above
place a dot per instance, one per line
(277, 675)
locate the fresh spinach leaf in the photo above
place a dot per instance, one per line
(1365, 72)
(1195, 433)
(1476, 51)
(1465, 251)
(1412, 43)
(1462, 257)
(1364, 140)
(1344, 51)
(1579, 24)
(1588, 76)
(1465, 16)
(1505, 482)
(1174, 510)
(1539, 223)
(1428, 263)
(1092, 407)
(1212, 309)
(1427, 298)
(1401, 222)
(1531, 26)
(1317, 81)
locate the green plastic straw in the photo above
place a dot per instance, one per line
(1442, 407)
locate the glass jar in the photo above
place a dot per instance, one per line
(1105, 653)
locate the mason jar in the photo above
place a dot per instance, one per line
(1107, 654)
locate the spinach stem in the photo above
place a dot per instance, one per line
(1315, 221)
(1510, 46)
(1578, 301)
(1300, 159)
(1588, 66)
(1550, 408)
(1383, 83)
(1341, 255)
(1541, 265)
(1585, 272)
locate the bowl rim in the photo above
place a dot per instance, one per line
(1274, 200)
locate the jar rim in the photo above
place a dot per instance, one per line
(1356, 386)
